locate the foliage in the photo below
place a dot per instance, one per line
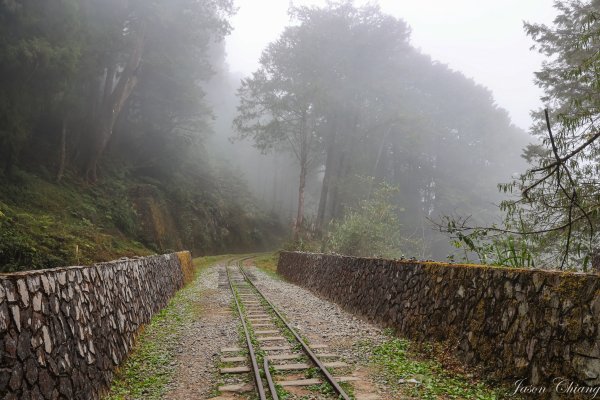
(70, 67)
(397, 362)
(113, 91)
(267, 262)
(378, 107)
(167, 118)
(46, 225)
(40, 49)
(371, 229)
(278, 107)
(555, 216)
(489, 248)
(559, 200)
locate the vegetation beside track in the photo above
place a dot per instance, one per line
(268, 263)
(408, 372)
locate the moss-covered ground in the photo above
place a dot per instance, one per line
(413, 374)
(45, 225)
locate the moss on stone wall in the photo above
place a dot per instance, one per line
(511, 322)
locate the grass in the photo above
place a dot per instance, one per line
(201, 263)
(152, 362)
(268, 263)
(397, 362)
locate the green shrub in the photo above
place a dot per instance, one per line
(371, 229)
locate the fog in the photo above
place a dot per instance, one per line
(478, 45)
(484, 40)
(331, 126)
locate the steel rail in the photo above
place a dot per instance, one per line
(257, 378)
(270, 380)
(307, 349)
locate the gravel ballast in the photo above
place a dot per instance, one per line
(324, 322)
(198, 357)
(318, 320)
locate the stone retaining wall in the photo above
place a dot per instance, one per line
(532, 324)
(64, 331)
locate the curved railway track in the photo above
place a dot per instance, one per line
(273, 347)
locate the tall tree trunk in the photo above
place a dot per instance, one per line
(113, 101)
(334, 205)
(330, 150)
(300, 213)
(378, 159)
(275, 186)
(62, 157)
(351, 140)
(303, 170)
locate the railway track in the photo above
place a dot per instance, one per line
(274, 354)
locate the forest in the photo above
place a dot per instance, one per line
(124, 132)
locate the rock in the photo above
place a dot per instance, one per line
(10, 292)
(500, 317)
(587, 349)
(31, 372)
(36, 321)
(35, 393)
(45, 383)
(16, 313)
(47, 340)
(52, 283)
(62, 278)
(33, 283)
(37, 302)
(411, 380)
(23, 293)
(10, 346)
(4, 317)
(587, 369)
(531, 347)
(65, 341)
(37, 341)
(16, 377)
(24, 345)
(45, 284)
(65, 388)
(5, 375)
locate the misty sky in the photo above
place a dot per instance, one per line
(482, 38)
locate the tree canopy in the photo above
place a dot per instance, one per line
(374, 106)
(103, 126)
(554, 216)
